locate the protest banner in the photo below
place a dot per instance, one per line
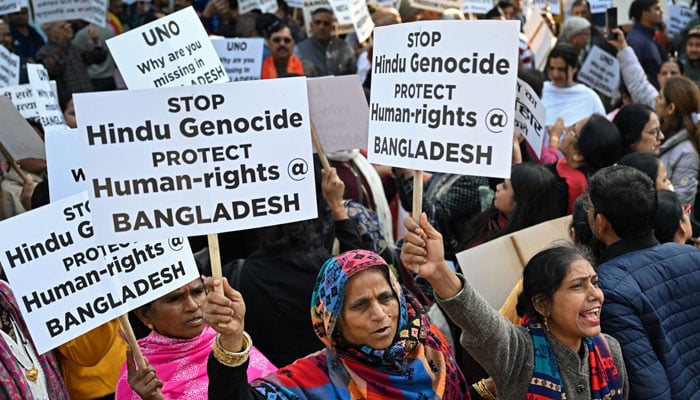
(50, 114)
(265, 6)
(384, 3)
(170, 51)
(342, 15)
(64, 164)
(493, 268)
(477, 6)
(359, 16)
(241, 58)
(599, 6)
(436, 5)
(82, 285)
(529, 116)
(600, 71)
(439, 103)
(678, 18)
(18, 137)
(339, 112)
(10, 6)
(541, 37)
(197, 160)
(9, 68)
(23, 99)
(92, 11)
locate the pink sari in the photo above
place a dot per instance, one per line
(182, 365)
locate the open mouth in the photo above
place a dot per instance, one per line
(592, 315)
(381, 331)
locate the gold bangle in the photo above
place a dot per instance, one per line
(230, 358)
(483, 390)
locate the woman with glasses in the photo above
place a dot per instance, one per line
(640, 129)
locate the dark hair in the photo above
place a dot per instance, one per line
(685, 95)
(581, 2)
(533, 77)
(645, 162)
(285, 238)
(535, 195)
(676, 61)
(565, 51)
(668, 216)
(630, 122)
(638, 7)
(584, 234)
(322, 10)
(267, 24)
(494, 12)
(627, 199)
(544, 274)
(599, 142)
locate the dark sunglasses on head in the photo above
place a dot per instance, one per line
(286, 40)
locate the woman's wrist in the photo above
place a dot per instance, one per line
(222, 344)
(445, 283)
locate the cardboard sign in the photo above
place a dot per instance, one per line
(23, 99)
(600, 71)
(50, 114)
(440, 103)
(265, 6)
(599, 6)
(197, 160)
(341, 12)
(170, 51)
(18, 137)
(93, 11)
(529, 116)
(9, 68)
(82, 285)
(359, 16)
(541, 37)
(678, 19)
(437, 5)
(477, 6)
(339, 112)
(64, 163)
(242, 58)
(10, 6)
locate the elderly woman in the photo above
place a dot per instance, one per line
(379, 342)
(577, 32)
(558, 351)
(176, 350)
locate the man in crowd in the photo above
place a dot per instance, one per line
(691, 61)
(329, 54)
(282, 62)
(652, 306)
(647, 16)
(26, 40)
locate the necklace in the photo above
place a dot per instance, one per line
(32, 373)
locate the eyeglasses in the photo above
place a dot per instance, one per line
(571, 130)
(656, 132)
(278, 39)
(687, 209)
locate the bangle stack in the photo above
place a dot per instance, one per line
(483, 390)
(229, 358)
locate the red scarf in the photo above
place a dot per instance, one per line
(576, 181)
(294, 66)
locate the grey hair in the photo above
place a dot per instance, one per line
(572, 26)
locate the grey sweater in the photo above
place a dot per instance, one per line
(506, 351)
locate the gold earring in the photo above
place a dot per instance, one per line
(546, 325)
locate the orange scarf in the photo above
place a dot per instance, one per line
(294, 66)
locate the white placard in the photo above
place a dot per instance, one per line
(64, 163)
(436, 5)
(18, 137)
(265, 6)
(50, 114)
(383, 3)
(341, 13)
(10, 6)
(554, 5)
(93, 11)
(339, 112)
(477, 6)
(354, 12)
(295, 4)
(529, 116)
(541, 37)
(440, 103)
(170, 51)
(599, 6)
(242, 58)
(678, 19)
(202, 159)
(66, 284)
(9, 68)
(600, 71)
(23, 98)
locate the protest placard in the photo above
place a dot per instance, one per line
(9, 68)
(241, 57)
(678, 18)
(477, 6)
(10, 6)
(440, 103)
(359, 16)
(50, 114)
(554, 5)
(18, 137)
(541, 37)
(436, 5)
(600, 71)
(83, 284)
(93, 11)
(170, 51)
(342, 14)
(23, 99)
(265, 6)
(529, 116)
(599, 6)
(197, 160)
(339, 112)
(64, 164)
(384, 3)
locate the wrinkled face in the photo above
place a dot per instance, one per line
(370, 314)
(178, 314)
(504, 198)
(582, 11)
(560, 73)
(5, 36)
(651, 137)
(575, 310)
(662, 181)
(580, 39)
(692, 48)
(668, 70)
(322, 26)
(60, 31)
(281, 44)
